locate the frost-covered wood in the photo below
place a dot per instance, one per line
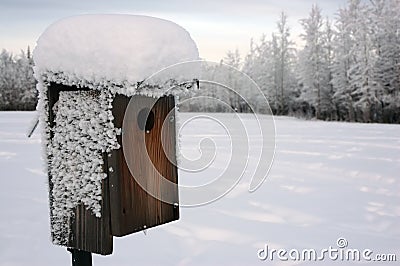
(82, 131)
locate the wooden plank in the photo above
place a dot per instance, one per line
(132, 208)
(160, 145)
(168, 140)
(87, 232)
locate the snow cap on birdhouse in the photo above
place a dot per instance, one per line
(122, 50)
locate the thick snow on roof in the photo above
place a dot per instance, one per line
(116, 48)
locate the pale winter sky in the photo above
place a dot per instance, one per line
(216, 26)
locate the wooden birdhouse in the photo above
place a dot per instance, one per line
(109, 132)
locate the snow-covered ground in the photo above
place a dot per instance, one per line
(328, 180)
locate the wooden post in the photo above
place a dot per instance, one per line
(80, 257)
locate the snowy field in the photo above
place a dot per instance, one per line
(328, 180)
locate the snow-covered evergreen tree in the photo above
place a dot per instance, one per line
(385, 26)
(270, 64)
(342, 61)
(26, 81)
(17, 84)
(312, 60)
(328, 110)
(235, 95)
(347, 70)
(284, 57)
(259, 65)
(364, 89)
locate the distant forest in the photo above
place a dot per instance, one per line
(347, 70)
(17, 84)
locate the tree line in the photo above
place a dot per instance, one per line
(348, 69)
(17, 83)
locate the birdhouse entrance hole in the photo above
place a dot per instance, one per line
(145, 119)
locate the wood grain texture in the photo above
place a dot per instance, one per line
(126, 206)
(91, 233)
(132, 208)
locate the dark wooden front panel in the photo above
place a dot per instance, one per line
(132, 208)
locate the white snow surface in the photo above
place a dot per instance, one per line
(117, 48)
(328, 180)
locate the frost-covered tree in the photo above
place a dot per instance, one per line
(327, 108)
(27, 82)
(366, 54)
(342, 61)
(364, 89)
(237, 93)
(17, 84)
(348, 69)
(385, 29)
(283, 54)
(312, 60)
(259, 65)
(6, 79)
(222, 89)
(270, 64)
